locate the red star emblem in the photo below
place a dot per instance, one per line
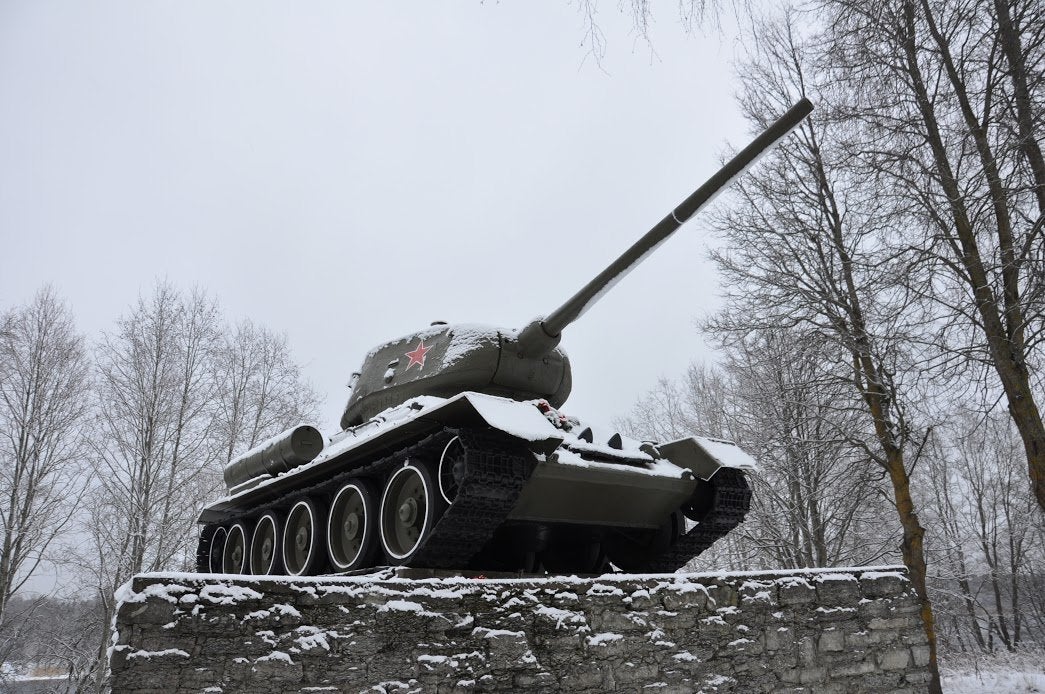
(417, 356)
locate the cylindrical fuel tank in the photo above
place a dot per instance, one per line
(282, 452)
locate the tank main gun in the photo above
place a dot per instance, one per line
(542, 335)
(446, 360)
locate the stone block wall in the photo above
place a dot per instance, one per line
(846, 631)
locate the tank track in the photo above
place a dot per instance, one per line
(497, 467)
(203, 548)
(730, 505)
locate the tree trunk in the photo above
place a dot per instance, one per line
(914, 555)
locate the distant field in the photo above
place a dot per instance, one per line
(33, 686)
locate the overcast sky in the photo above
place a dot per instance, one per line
(349, 172)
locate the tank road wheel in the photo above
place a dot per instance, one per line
(234, 556)
(350, 527)
(264, 546)
(410, 506)
(303, 539)
(451, 469)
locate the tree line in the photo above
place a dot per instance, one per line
(109, 450)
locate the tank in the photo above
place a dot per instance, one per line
(455, 453)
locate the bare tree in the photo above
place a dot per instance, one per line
(54, 636)
(988, 533)
(154, 387)
(151, 439)
(178, 394)
(44, 400)
(692, 14)
(950, 97)
(260, 390)
(664, 413)
(809, 250)
(817, 501)
(954, 575)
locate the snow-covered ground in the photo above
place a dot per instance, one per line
(26, 679)
(994, 683)
(1019, 673)
(39, 685)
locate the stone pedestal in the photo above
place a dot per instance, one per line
(852, 630)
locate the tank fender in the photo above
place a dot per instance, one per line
(705, 456)
(519, 419)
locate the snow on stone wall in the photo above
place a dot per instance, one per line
(850, 630)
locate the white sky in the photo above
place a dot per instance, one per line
(349, 172)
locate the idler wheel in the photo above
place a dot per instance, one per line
(264, 546)
(410, 506)
(216, 550)
(234, 556)
(302, 539)
(702, 502)
(451, 469)
(350, 526)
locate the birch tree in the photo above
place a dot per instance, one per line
(674, 409)
(150, 449)
(259, 388)
(154, 390)
(817, 500)
(44, 401)
(179, 393)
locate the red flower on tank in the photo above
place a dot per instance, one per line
(417, 356)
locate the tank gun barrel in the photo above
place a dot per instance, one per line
(541, 336)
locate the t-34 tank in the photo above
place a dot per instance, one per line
(454, 454)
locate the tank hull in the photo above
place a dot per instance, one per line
(525, 487)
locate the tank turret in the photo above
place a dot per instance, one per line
(523, 364)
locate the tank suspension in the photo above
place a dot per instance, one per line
(723, 503)
(485, 472)
(211, 549)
